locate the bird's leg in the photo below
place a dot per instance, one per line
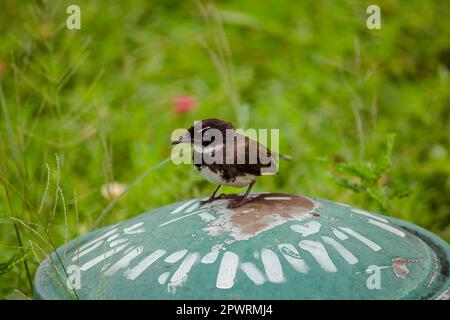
(213, 196)
(243, 200)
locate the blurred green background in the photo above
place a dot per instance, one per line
(82, 108)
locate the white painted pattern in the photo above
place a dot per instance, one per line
(183, 206)
(272, 266)
(229, 264)
(193, 207)
(163, 278)
(86, 251)
(181, 275)
(134, 272)
(344, 252)
(174, 257)
(210, 257)
(253, 273)
(102, 257)
(306, 229)
(133, 227)
(370, 215)
(319, 253)
(206, 216)
(339, 235)
(293, 257)
(137, 231)
(102, 237)
(114, 236)
(227, 270)
(176, 219)
(388, 228)
(125, 261)
(372, 245)
(117, 242)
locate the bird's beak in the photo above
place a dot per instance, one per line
(181, 140)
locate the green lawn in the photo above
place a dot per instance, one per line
(80, 108)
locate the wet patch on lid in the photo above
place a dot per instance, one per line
(262, 213)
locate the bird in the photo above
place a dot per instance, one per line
(227, 158)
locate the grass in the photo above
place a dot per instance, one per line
(81, 108)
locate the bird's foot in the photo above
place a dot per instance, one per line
(238, 203)
(211, 199)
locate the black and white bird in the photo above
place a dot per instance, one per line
(227, 158)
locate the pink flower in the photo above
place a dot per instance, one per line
(184, 103)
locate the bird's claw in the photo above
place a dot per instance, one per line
(203, 202)
(211, 199)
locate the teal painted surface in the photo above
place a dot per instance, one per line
(284, 253)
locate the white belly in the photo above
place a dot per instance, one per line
(213, 177)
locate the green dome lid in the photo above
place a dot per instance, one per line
(278, 246)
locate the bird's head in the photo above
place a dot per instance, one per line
(205, 132)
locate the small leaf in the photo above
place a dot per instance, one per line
(380, 198)
(385, 160)
(347, 184)
(364, 171)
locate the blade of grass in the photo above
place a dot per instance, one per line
(18, 237)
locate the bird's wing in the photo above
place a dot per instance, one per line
(249, 156)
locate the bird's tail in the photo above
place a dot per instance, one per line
(280, 156)
(285, 157)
